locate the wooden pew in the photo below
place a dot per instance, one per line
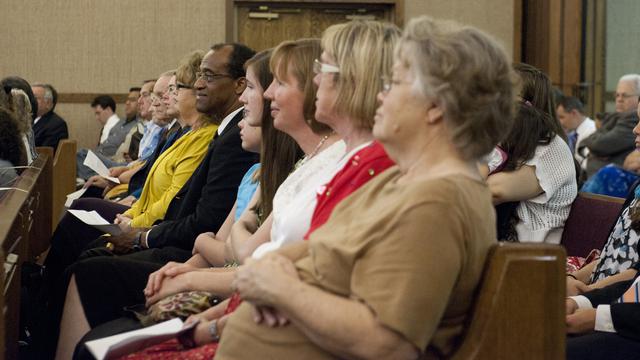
(25, 228)
(520, 306)
(64, 177)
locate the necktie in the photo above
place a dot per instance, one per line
(573, 139)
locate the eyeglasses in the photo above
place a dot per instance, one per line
(183, 86)
(625, 95)
(322, 68)
(211, 77)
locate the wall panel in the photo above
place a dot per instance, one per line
(83, 46)
(493, 16)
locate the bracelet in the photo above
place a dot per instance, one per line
(213, 330)
(573, 276)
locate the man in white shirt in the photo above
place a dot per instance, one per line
(577, 126)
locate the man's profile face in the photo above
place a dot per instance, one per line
(626, 96)
(131, 104)
(102, 115)
(44, 105)
(215, 94)
(144, 101)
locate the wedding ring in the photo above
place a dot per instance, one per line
(109, 245)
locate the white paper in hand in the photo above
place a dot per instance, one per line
(115, 346)
(94, 219)
(73, 196)
(93, 162)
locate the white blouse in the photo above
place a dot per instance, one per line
(542, 218)
(295, 200)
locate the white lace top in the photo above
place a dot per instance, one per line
(295, 200)
(542, 217)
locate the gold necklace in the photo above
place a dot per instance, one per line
(314, 152)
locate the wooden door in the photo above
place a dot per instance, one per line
(262, 25)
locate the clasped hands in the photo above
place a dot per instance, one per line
(579, 321)
(266, 283)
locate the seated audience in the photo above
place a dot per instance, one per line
(345, 49)
(606, 321)
(613, 141)
(203, 203)
(535, 190)
(393, 271)
(112, 135)
(48, 127)
(168, 174)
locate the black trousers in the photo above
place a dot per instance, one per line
(602, 345)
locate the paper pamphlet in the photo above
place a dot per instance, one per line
(93, 162)
(116, 346)
(94, 219)
(73, 196)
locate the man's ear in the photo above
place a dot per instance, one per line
(241, 84)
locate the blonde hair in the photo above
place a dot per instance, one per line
(467, 73)
(296, 58)
(188, 67)
(363, 50)
(22, 109)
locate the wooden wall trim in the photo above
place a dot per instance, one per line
(517, 30)
(391, 2)
(87, 98)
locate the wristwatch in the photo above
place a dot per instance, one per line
(137, 242)
(213, 330)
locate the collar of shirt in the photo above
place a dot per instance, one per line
(227, 120)
(35, 121)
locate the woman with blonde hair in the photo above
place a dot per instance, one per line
(393, 271)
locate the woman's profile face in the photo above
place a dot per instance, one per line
(251, 136)
(401, 110)
(287, 103)
(252, 98)
(327, 92)
(185, 99)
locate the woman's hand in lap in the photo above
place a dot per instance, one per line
(262, 281)
(170, 270)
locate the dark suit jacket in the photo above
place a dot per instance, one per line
(205, 200)
(612, 142)
(49, 130)
(625, 316)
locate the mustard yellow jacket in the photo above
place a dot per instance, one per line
(168, 174)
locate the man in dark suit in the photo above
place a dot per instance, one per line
(48, 127)
(608, 321)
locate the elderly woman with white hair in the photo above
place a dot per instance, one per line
(393, 271)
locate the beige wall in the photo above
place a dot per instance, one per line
(83, 46)
(493, 16)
